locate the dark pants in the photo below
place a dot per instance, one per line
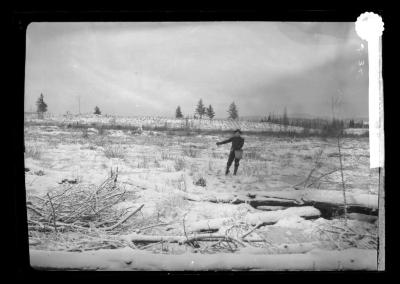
(230, 160)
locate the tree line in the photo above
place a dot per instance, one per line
(202, 111)
(313, 123)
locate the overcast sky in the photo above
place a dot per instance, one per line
(150, 68)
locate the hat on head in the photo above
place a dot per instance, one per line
(237, 130)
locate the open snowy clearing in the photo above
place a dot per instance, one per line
(190, 208)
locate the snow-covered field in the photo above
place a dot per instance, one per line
(154, 122)
(160, 169)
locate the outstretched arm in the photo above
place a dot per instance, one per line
(225, 141)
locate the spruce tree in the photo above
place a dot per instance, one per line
(97, 110)
(210, 112)
(200, 109)
(41, 105)
(178, 112)
(233, 111)
(285, 119)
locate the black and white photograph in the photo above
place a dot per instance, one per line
(200, 146)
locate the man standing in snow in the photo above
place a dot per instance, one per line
(236, 150)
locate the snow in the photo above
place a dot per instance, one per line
(147, 170)
(274, 216)
(128, 259)
(294, 222)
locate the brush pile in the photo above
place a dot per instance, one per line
(78, 207)
(355, 234)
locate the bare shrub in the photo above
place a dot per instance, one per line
(33, 151)
(180, 183)
(253, 154)
(210, 166)
(214, 155)
(114, 151)
(258, 170)
(101, 130)
(287, 159)
(85, 133)
(191, 151)
(53, 142)
(217, 155)
(179, 164)
(171, 206)
(201, 182)
(307, 157)
(157, 163)
(144, 163)
(99, 141)
(166, 156)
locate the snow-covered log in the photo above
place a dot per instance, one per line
(329, 199)
(266, 218)
(209, 225)
(270, 208)
(238, 199)
(271, 201)
(139, 238)
(362, 217)
(272, 217)
(129, 259)
(216, 198)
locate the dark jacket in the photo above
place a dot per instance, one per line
(237, 143)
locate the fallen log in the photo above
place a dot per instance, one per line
(238, 199)
(271, 201)
(270, 208)
(329, 201)
(362, 217)
(138, 238)
(130, 259)
(263, 218)
(269, 218)
(216, 198)
(209, 225)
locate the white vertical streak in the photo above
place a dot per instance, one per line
(381, 112)
(369, 27)
(374, 102)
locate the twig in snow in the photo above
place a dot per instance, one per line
(123, 220)
(152, 226)
(34, 210)
(343, 184)
(251, 230)
(54, 214)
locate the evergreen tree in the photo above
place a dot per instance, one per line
(285, 119)
(200, 109)
(41, 105)
(210, 112)
(178, 112)
(233, 111)
(97, 110)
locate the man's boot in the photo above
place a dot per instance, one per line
(227, 171)
(235, 170)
